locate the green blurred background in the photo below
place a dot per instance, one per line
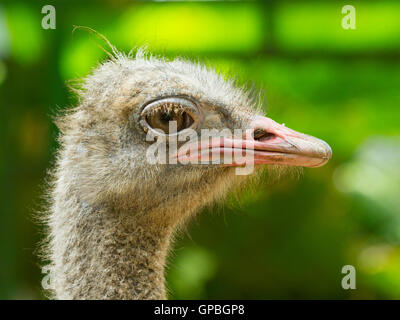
(292, 237)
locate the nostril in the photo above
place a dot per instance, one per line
(262, 135)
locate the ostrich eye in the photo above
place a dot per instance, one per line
(158, 115)
(160, 120)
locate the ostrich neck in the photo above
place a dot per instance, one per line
(106, 253)
(114, 244)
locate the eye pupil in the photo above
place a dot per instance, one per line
(166, 117)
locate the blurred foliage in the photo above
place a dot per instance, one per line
(289, 239)
(302, 26)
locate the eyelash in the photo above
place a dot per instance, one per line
(163, 107)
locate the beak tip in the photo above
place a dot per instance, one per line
(326, 153)
(328, 150)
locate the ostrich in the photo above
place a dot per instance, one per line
(113, 215)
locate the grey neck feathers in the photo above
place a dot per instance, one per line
(106, 254)
(113, 245)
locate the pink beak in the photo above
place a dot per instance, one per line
(267, 142)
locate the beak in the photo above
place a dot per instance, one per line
(276, 144)
(266, 142)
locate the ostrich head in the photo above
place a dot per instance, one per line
(113, 208)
